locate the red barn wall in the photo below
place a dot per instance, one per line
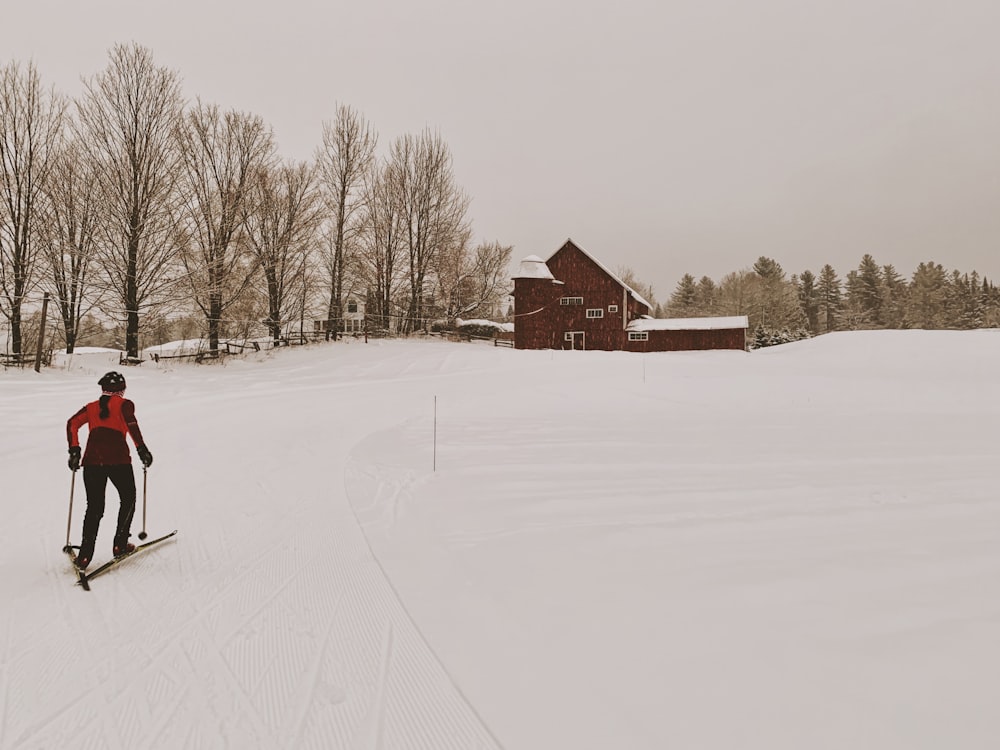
(533, 299)
(582, 277)
(682, 341)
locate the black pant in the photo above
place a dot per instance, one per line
(95, 479)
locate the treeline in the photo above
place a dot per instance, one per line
(782, 308)
(133, 208)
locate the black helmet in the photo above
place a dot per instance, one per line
(112, 382)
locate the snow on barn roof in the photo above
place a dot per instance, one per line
(610, 273)
(688, 324)
(533, 267)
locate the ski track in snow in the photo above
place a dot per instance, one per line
(271, 627)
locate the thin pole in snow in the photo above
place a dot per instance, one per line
(41, 336)
(435, 459)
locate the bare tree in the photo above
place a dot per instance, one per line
(281, 231)
(450, 276)
(72, 219)
(764, 295)
(344, 160)
(433, 208)
(491, 273)
(631, 280)
(31, 126)
(736, 293)
(382, 255)
(221, 154)
(470, 281)
(128, 117)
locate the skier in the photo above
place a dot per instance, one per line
(107, 457)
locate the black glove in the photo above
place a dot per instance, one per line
(145, 456)
(74, 458)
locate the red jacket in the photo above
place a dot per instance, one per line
(106, 444)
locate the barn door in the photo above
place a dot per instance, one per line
(576, 340)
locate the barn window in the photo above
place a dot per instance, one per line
(571, 300)
(612, 308)
(595, 312)
(638, 336)
(352, 306)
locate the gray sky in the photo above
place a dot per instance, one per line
(671, 137)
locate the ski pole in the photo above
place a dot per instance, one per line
(69, 523)
(143, 534)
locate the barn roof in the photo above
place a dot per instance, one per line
(609, 272)
(688, 324)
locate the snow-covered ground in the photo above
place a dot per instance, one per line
(422, 544)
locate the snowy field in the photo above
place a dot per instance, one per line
(420, 544)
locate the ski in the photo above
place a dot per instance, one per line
(81, 576)
(85, 578)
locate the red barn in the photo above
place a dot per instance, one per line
(571, 301)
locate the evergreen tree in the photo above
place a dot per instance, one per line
(773, 298)
(868, 290)
(769, 269)
(761, 337)
(809, 299)
(894, 295)
(928, 290)
(684, 300)
(708, 294)
(781, 309)
(963, 306)
(974, 315)
(830, 298)
(853, 314)
(990, 304)
(954, 301)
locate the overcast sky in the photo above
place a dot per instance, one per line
(670, 137)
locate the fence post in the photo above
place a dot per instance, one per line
(41, 334)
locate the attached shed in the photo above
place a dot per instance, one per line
(684, 334)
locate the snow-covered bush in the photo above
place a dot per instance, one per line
(479, 328)
(763, 336)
